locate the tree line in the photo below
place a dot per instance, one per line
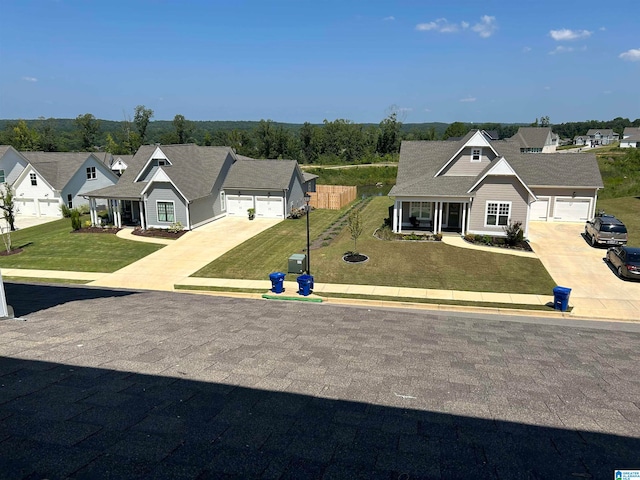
(337, 141)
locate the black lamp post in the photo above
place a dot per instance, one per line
(307, 199)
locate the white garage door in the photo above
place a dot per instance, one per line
(539, 209)
(49, 208)
(269, 207)
(239, 205)
(27, 206)
(571, 210)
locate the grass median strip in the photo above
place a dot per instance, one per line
(46, 280)
(382, 298)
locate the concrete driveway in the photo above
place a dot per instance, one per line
(163, 269)
(26, 221)
(596, 289)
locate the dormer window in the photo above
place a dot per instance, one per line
(476, 154)
(162, 162)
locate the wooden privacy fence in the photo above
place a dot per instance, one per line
(332, 197)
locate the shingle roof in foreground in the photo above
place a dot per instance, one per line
(57, 167)
(249, 173)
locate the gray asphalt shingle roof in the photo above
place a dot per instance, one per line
(249, 173)
(57, 168)
(421, 160)
(532, 137)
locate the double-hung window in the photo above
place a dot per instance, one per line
(498, 213)
(476, 154)
(34, 179)
(166, 212)
(91, 173)
(2, 179)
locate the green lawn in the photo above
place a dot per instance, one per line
(626, 209)
(403, 264)
(52, 246)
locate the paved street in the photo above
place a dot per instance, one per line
(98, 383)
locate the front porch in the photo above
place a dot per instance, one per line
(121, 212)
(438, 216)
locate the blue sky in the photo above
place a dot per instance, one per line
(297, 61)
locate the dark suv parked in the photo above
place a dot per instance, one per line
(606, 230)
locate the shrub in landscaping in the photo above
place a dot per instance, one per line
(76, 224)
(66, 211)
(84, 209)
(176, 227)
(514, 233)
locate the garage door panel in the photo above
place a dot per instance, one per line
(49, 208)
(571, 210)
(238, 206)
(269, 207)
(540, 209)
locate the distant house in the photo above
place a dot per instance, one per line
(12, 163)
(602, 136)
(582, 140)
(630, 138)
(536, 140)
(193, 185)
(478, 186)
(53, 178)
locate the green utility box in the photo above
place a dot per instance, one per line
(297, 263)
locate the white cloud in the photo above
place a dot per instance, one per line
(526, 49)
(567, 34)
(603, 29)
(427, 109)
(547, 88)
(561, 49)
(468, 99)
(486, 27)
(389, 18)
(30, 79)
(405, 109)
(632, 55)
(607, 92)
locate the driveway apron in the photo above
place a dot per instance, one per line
(163, 269)
(596, 290)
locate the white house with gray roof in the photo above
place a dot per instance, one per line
(630, 137)
(51, 179)
(602, 136)
(478, 186)
(194, 185)
(536, 140)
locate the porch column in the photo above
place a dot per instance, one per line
(394, 220)
(400, 214)
(436, 205)
(464, 218)
(440, 205)
(142, 222)
(118, 219)
(92, 212)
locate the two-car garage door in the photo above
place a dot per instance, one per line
(266, 207)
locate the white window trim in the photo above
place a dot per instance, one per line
(423, 210)
(162, 162)
(479, 149)
(91, 173)
(223, 202)
(498, 202)
(34, 179)
(2, 176)
(158, 211)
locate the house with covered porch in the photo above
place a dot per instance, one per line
(478, 185)
(189, 185)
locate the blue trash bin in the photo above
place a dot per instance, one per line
(277, 282)
(561, 298)
(305, 284)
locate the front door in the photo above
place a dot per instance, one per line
(453, 220)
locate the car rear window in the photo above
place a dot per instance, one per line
(613, 228)
(633, 257)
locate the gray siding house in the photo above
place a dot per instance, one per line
(164, 185)
(478, 185)
(12, 163)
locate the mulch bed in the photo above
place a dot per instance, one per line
(159, 233)
(355, 258)
(97, 230)
(499, 243)
(15, 251)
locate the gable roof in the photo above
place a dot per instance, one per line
(601, 131)
(473, 138)
(193, 170)
(420, 160)
(57, 168)
(532, 137)
(249, 173)
(628, 132)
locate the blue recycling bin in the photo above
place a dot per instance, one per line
(561, 298)
(305, 284)
(277, 282)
